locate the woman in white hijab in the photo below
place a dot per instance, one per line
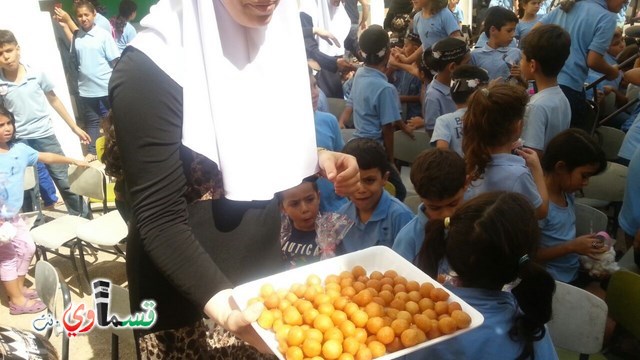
(200, 112)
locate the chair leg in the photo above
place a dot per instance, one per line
(65, 347)
(115, 347)
(85, 283)
(72, 250)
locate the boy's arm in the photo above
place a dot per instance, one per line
(51, 158)
(387, 140)
(57, 105)
(597, 62)
(533, 163)
(346, 114)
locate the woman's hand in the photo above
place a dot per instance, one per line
(222, 309)
(341, 169)
(84, 137)
(81, 163)
(326, 36)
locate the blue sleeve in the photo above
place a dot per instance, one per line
(29, 153)
(605, 28)
(129, 33)
(432, 110)
(416, 19)
(474, 56)
(388, 105)
(45, 84)
(525, 185)
(403, 244)
(402, 217)
(441, 130)
(449, 22)
(550, 18)
(111, 51)
(535, 121)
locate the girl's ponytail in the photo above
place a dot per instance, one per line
(434, 247)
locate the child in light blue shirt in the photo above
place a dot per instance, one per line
(631, 142)
(528, 14)
(629, 217)
(447, 133)
(124, 32)
(505, 4)
(496, 56)
(377, 216)
(456, 11)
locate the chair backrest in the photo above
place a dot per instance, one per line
(407, 149)
(347, 134)
(607, 105)
(413, 202)
(30, 178)
(47, 284)
(623, 298)
(609, 185)
(120, 305)
(610, 140)
(579, 319)
(589, 220)
(590, 120)
(336, 107)
(89, 182)
(30, 185)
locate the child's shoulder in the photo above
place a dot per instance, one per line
(399, 208)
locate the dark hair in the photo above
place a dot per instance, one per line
(111, 156)
(438, 174)
(125, 10)
(498, 17)
(8, 114)
(625, 54)
(372, 41)
(521, 5)
(489, 242)
(368, 153)
(85, 3)
(449, 50)
(7, 37)
(490, 121)
(461, 91)
(308, 180)
(98, 7)
(549, 46)
(574, 147)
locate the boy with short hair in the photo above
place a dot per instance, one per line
(544, 52)
(24, 91)
(440, 179)
(377, 216)
(496, 56)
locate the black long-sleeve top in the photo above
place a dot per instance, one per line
(326, 62)
(176, 254)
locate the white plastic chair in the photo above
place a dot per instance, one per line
(413, 202)
(610, 140)
(406, 150)
(31, 185)
(120, 305)
(589, 220)
(48, 285)
(578, 322)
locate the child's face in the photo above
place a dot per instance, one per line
(315, 92)
(504, 36)
(525, 67)
(422, 3)
(86, 18)
(409, 48)
(6, 129)
(532, 7)
(370, 190)
(616, 5)
(9, 57)
(301, 204)
(440, 209)
(453, 3)
(251, 13)
(616, 47)
(577, 179)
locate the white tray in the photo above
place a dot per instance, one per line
(380, 258)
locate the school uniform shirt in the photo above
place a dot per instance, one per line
(300, 248)
(435, 28)
(458, 14)
(409, 85)
(449, 128)
(594, 75)
(128, 33)
(629, 217)
(12, 166)
(410, 238)
(523, 27)
(388, 218)
(28, 103)
(490, 340)
(547, 114)
(95, 49)
(631, 141)
(544, 7)
(103, 23)
(437, 102)
(482, 41)
(507, 172)
(557, 228)
(375, 103)
(507, 4)
(496, 61)
(328, 136)
(591, 26)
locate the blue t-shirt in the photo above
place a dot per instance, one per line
(629, 217)
(28, 103)
(523, 27)
(591, 26)
(458, 14)
(594, 75)
(631, 141)
(557, 228)
(103, 23)
(507, 172)
(482, 41)
(128, 33)
(437, 102)
(496, 61)
(449, 128)
(490, 340)
(507, 4)
(95, 49)
(12, 166)
(387, 219)
(328, 136)
(408, 85)
(544, 7)
(434, 28)
(410, 238)
(375, 103)
(323, 103)
(548, 113)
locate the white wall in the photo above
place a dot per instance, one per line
(467, 9)
(34, 32)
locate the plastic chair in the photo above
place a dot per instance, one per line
(413, 202)
(623, 298)
(589, 220)
(610, 140)
(31, 185)
(48, 285)
(578, 322)
(406, 150)
(347, 134)
(336, 107)
(120, 305)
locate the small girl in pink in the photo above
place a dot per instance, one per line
(16, 246)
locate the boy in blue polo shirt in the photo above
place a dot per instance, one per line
(440, 179)
(629, 217)
(496, 56)
(544, 51)
(377, 216)
(25, 92)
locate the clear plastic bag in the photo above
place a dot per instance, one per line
(331, 228)
(604, 264)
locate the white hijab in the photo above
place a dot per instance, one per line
(331, 18)
(247, 103)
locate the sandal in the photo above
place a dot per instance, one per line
(36, 307)
(30, 294)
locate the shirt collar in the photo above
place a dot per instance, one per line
(379, 213)
(440, 87)
(507, 159)
(487, 48)
(369, 71)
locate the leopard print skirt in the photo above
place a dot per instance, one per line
(197, 342)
